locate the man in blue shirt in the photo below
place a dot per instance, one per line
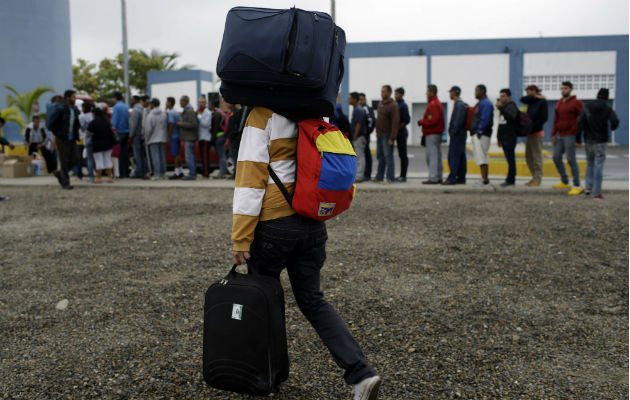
(481, 131)
(174, 144)
(401, 139)
(120, 122)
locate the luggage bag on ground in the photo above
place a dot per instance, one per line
(290, 60)
(244, 335)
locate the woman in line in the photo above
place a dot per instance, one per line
(102, 142)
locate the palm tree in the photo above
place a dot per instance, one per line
(24, 102)
(12, 114)
(165, 61)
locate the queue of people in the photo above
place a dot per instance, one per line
(571, 121)
(90, 137)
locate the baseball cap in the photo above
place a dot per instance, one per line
(456, 89)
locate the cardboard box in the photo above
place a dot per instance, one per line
(17, 167)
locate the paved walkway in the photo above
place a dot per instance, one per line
(414, 183)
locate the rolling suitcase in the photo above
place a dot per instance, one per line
(289, 60)
(244, 335)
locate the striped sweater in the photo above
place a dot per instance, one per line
(268, 138)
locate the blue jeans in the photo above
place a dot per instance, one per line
(219, 145)
(78, 169)
(158, 158)
(368, 160)
(385, 155)
(138, 154)
(89, 154)
(457, 160)
(508, 150)
(566, 144)
(299, 245)
(191, 162)
(595, 157)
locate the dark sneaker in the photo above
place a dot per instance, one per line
(180, 176)
(367, 389)
(58, 176)
(4, 198)
(430, 182)
(189, 178)
(67, 187)
(506, 184)
(401, 179)
(447, 182)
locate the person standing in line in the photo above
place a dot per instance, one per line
(358, 134)
(401, 139)
(100, 130)
(157, 127)
(369, 125)
(563, 138)
(538, 113)
(189, 131)
(457, 145)
(4, 142)
(432, 128)
(146, 109)
(204, 116)
(387, 124)
(84, 120)
(137, 138)
(481, 131)
(235, 133)
(35, 140)
(220, 122)
(120, 123)
(593, 124)
(64, 123)
(174, 144)
(508, 132)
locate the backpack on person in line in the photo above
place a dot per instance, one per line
(525, 124)
(370, 119)
(326, 169)
(469, 114)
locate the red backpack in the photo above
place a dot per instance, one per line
(326, 168)
(469, 115)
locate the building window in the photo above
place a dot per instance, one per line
(580, 82)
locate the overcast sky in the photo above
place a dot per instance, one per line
(193, 28)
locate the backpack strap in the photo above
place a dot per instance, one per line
(280, 185)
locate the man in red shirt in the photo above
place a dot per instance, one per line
(563, 138)
(432, 128)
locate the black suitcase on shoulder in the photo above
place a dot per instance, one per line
(288, 60)
(244, 334)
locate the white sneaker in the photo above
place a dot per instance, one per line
(367, 389)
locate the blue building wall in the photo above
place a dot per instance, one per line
(515, 48)
(35, 49)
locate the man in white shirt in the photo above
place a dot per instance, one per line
(205, 117)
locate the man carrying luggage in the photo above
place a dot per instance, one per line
(267, 231)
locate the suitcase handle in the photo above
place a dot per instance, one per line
(250, 268)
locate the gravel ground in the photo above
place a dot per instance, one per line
(469, 295)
